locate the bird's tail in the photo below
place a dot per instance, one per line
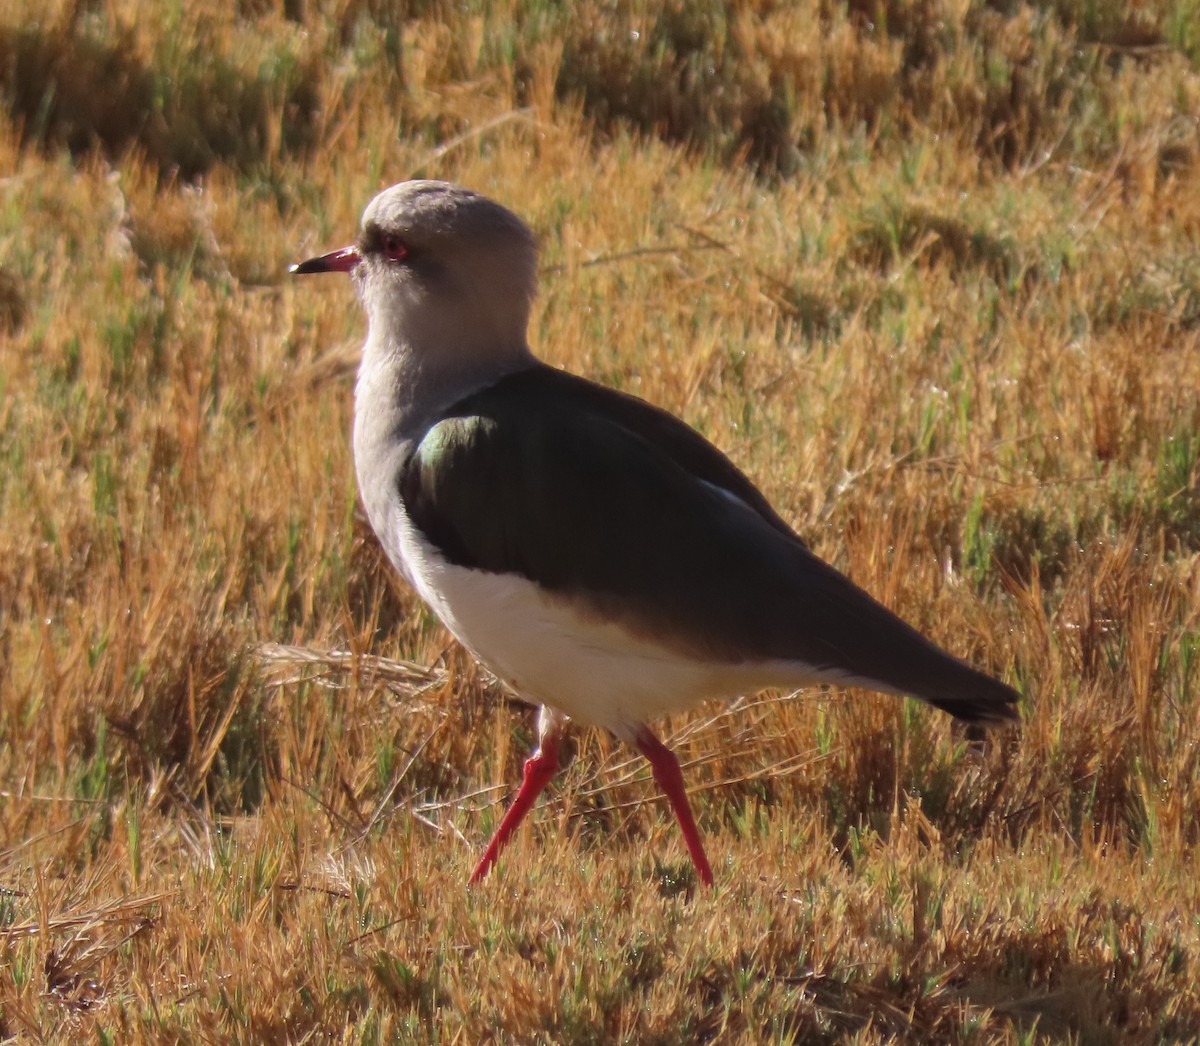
(971, 696)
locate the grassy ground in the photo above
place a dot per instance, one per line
(928, 270)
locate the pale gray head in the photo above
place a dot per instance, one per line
(440, 269)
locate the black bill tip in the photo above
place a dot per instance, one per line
(343, 260)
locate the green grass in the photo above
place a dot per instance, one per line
(928, 275)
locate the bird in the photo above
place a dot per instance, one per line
(599, 556)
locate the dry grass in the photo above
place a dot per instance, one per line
(929, 271)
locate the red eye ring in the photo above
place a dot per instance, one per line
(394, 248)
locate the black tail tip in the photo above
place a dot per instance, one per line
(990, 705)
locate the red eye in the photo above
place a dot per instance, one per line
(394, 248)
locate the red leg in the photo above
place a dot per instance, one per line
(670, 779)
(539, 768)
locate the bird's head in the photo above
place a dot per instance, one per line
(439, 269)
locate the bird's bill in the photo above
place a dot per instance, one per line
(335, 261)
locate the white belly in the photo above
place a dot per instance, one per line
(548, 650)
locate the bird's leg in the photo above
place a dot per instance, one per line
(539, 769)
(670, 779)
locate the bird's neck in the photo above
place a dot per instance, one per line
(402, 390)
(403, 387)
(422, 355)
(425, 351)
